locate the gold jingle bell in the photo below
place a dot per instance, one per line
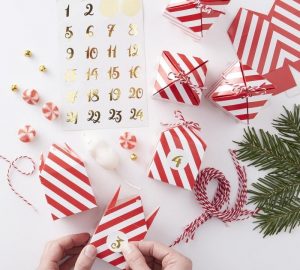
(42, 68)
(28, 53)
(133, 157)
(14, 87)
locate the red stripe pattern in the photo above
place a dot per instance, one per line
(169, 87)
(127, 217)
(67, 187)
(233, 92)
(178, 157)
(270, 44)
(196, 17)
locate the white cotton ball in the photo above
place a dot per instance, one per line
(103, 154)
(106, 157)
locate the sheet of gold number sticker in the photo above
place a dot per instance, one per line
(103, 63)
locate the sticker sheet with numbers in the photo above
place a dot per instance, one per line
(102, 64)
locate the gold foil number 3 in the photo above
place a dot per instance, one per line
(117, 244)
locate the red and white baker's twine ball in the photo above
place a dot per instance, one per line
(31, 97)
(221, 199)
(26, 134)
(50, 111)
(128, 141)
(12, 167)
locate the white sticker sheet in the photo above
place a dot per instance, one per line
(103, 71)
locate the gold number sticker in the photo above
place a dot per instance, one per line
(136, 114)
(92, 73)
(94, 116)
(72, 117)
(115, 94)
(136, 93)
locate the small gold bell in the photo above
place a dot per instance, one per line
(42, 68)
(14, 88)
(28, 53)
(133, 157)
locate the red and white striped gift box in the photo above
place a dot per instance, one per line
(126, 217)
(67, 186)
(246, 102)
(178, 157)
(169, 87)
(195, 17)
(270, 44)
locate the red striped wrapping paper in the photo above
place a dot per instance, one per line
(170, 88)
(244, 105)
(67, 186)
(178, 157)
(127, 217)
(195, 20)
(270, 44)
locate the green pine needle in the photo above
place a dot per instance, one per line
(277, 194)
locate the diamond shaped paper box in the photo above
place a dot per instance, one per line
(270, 44)
(122, 221)
(242, 92)
(178, 156)
(195, 17)
(67, 186)
(180, 78)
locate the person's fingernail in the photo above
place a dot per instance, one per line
(90, 251)
(126, 249)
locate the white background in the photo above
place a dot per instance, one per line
(33, 24)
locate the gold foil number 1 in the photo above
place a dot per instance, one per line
(67, 11)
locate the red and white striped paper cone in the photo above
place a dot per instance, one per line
(27, 134)
(178, 157)
(67, 186)
(128, 141)
(50, 111)
(242, 92)
(195, 17)
(269, 44)
(168, 85)
(127, 221)
(31, 97)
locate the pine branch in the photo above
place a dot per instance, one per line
(288, 126)
(272, 190)
(268, 152)
(277, 194)
(280, 218)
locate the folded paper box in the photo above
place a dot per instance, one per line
(178, 156)
(195, 17)
(270, 44)
(122, 222)
(67, 186)
(242, 92)
(180, 78)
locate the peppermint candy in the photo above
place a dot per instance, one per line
(26, 134)
(128, 141)
(31, 96)
(50, 111)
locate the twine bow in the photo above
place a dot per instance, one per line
(184, 78)
(13, 166)
(221, 199)
(182, 122)
(204, 8)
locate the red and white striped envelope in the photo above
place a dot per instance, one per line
(242, 92)
(67, 186)
(180, 78)
(270, 44)
(195, 17)
(123, 221)
(178, 156)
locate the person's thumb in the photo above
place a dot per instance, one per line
(86, 258)
(134, 257)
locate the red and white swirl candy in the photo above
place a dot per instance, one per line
(26, 134)
(31, 96)
(128, 141)
(50, 111)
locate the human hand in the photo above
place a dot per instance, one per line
(67, 252)
(154, 256)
